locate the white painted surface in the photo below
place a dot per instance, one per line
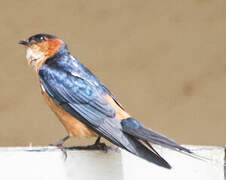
(47, 163)
(183, 166)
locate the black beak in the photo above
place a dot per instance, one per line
(24, 42)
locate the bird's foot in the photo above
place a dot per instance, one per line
(60, 146)
(99, 146)
(96, 146)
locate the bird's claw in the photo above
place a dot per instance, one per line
(96, 146)
(62, 148)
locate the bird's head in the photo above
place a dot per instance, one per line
(40, 47)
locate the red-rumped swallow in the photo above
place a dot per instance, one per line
(85, 106)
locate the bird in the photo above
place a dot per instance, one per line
(85, 106)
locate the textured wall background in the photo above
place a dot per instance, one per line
(165, 60)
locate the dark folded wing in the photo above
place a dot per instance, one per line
(78, 93)
(84, 101)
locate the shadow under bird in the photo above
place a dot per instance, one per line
(85, 106)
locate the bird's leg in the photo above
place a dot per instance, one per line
(61, 142)
(96, 146)
(99, 145)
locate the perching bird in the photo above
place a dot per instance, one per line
(85, 106)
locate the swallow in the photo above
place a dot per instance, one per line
(85, 106)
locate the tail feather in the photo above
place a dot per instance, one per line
(146, 152)
(133, 145)
(136, 129)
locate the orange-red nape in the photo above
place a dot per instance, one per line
(49, 47)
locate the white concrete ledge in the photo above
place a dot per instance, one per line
(48, 163)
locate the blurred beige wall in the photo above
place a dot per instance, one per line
(165, 60)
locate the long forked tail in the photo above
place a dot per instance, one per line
(143, 136)
(136, 130)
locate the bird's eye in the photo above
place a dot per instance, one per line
(42, 38)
